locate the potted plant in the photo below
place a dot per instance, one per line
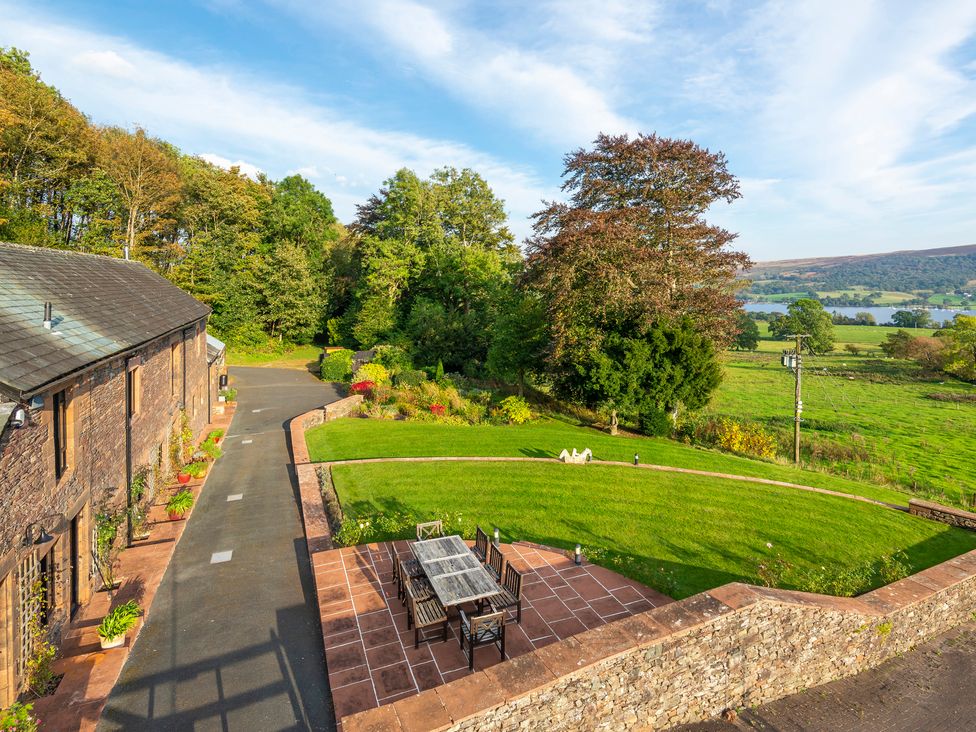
(216, 435)
(117, 623)
(183, 477)
(178, 504)
(210, 449)
(196, 469)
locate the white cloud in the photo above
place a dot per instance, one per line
(108, 63)
(525, 88)
(250, 170)
(229, 116)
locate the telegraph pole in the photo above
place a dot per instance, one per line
(794, 361)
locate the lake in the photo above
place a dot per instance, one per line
(882, 315)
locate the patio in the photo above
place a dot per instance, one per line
(370, 653)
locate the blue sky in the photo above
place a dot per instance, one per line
(852, 125)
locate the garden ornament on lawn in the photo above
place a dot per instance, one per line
(576, 457)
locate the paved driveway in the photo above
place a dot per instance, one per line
(236, 644)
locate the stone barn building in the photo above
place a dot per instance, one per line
(101, 362)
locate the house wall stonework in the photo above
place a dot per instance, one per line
(96, 475)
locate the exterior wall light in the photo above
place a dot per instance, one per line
(18, 417)
(497, 538)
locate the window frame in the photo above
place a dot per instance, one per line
(60, 426)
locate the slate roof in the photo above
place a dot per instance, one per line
(102, 307)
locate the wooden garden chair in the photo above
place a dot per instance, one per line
(408, 569)
(511, 594)
(480, 548)
(424, 614)
(495, 562)
(430, 530)
(418, 588)
(480, 630)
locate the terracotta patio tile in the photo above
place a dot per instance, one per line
(574, 602)
(588, 588)
(333, 593)
(589, 617)
(420, 655)
(345, 657)
(383, 719)
(375, 620)
(568, 627)
(627, 594)
(421, 713)
(544, 641)
(607, 606)
(551, 608)
(385, 655)
(369, 602)
(426, 675)
(537, 591)
(392, 680)
(468, 695)
(533, 624)
(349, 676)
(563, 657)
(381, 637)
(338, 623)
(353, 698)
(448, 656)
(458, 673)
(516, 641)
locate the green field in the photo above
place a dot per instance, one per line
(867, 337)
(869, 418)
(352, 438)
(704, 531)
(293, 357)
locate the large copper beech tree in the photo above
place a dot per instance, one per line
(632, 252)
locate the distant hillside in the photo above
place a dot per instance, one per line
(947, 274)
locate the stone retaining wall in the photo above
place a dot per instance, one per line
(945, 514)
(734, 646)
(343, 407)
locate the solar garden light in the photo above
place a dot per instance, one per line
(636, 459)
(496, 536)
(578, 555)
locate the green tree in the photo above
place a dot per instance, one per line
(806, 316)
(519, 339)
(289, 291)
(748, 337)
(916, 318)
(959, 347)
(629, 372)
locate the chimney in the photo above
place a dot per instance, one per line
(48, 315)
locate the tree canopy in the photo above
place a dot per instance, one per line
(806, 317)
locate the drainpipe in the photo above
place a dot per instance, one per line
(128, 459)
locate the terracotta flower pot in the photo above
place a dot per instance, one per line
(217, 440)
(112, 642)
(183, 478)
(173, 516)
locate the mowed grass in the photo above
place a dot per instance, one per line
(876, 408)
(705, 531)
(866, 337)
(353, 438)
(297, 357)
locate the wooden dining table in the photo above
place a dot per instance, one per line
(453, 571)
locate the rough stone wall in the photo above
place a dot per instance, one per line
(29, 490)
(768, 648)
(943, 514)
(343, 407)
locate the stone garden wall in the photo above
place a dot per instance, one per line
(734, 646)
(343, 407)
(944, 514)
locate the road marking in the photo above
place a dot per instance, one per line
(218, 557)
(235, 497)
(246, 442)
(255, 411)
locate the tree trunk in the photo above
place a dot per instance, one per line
(613, 422)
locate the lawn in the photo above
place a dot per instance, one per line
(875, 408)
(704, 531)
(867, 337)
(354, 438)
(295, 357)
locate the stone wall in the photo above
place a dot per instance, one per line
(734, 646)
(30, 491)
(343, 407)
(944, 514)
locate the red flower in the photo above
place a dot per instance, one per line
(362, 387)
(438, 410)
